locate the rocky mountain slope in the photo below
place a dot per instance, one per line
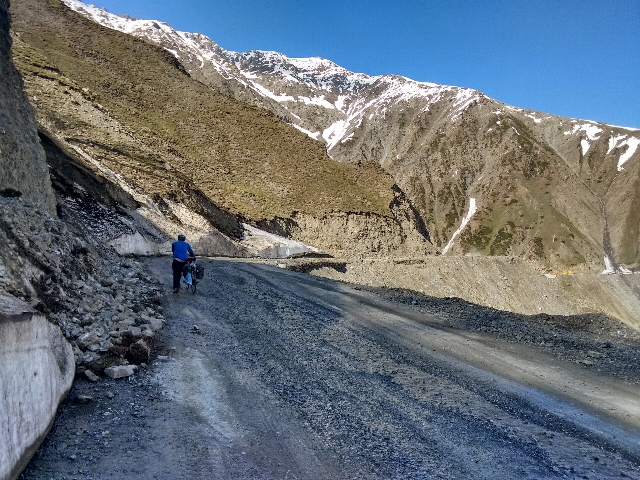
(124, 121)
(53, 311)
(487, 178)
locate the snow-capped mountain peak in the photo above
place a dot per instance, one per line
(315, 95)
(452, 150)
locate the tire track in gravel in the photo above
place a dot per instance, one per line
(360, 373)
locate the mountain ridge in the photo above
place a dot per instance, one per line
(128, 113)
(446, 147)
(557, 191)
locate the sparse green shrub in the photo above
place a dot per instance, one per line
(538, 247)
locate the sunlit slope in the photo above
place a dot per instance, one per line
(131, 105)
(487, 178)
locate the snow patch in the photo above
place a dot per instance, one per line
(592, 131)
(317, 101)
(349, 137)
(464, 99)
(267, 245)
(136, 244)
(621, 141)
(334, 133)
(585, 146)
(470, 213)
(533, 117)
(340, 102)
(270, 94)
(609, 270)
(313, 135)
(608, 266)
(632, 146)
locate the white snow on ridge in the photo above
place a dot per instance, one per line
(334, 133)
(626, 128)
(270, 94)
(102, 17)
(194, 45)
(592, 132)
(464, 98)
(357, 95)
(533, 117)
(320, 101)
(465, 220)
(614, 140)
(313, 135)
(585, 145)
(249, 75)
(316, 73)
(632, 146)
(340, 102)
(347, 138)
(314, 63)
(621, 141)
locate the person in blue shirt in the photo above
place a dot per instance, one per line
(181, 253)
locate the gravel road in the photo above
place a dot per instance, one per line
(294, 376)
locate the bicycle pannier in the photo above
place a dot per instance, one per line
(199, 272)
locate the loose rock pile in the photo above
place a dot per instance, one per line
(107, 306)
(117, 315)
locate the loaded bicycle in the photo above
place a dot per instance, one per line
(191, 274)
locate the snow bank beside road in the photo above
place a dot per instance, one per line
(37, 370)
(267, 245)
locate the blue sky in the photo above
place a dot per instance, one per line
(575, 58)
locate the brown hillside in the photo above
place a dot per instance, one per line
(133, 107)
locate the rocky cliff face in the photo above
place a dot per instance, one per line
(37, 361)
(54, 314)
(486, 178)
(22, 161)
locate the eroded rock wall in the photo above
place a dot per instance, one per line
(22, 162)
(360, 235)
(36, 362)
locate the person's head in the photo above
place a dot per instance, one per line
(182, 237)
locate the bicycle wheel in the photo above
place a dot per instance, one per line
(194, 286)
(188, 287)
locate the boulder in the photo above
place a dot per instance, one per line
(36, 371)
(136, 244)
(119, 371)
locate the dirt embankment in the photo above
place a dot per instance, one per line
(503, 283)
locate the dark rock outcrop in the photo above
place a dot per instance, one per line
(22, 161)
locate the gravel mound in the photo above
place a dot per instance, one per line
(592, 340)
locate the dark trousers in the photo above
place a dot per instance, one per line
(177, 266)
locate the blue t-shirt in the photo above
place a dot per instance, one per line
(181, 250)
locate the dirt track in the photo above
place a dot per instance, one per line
(293, 376)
